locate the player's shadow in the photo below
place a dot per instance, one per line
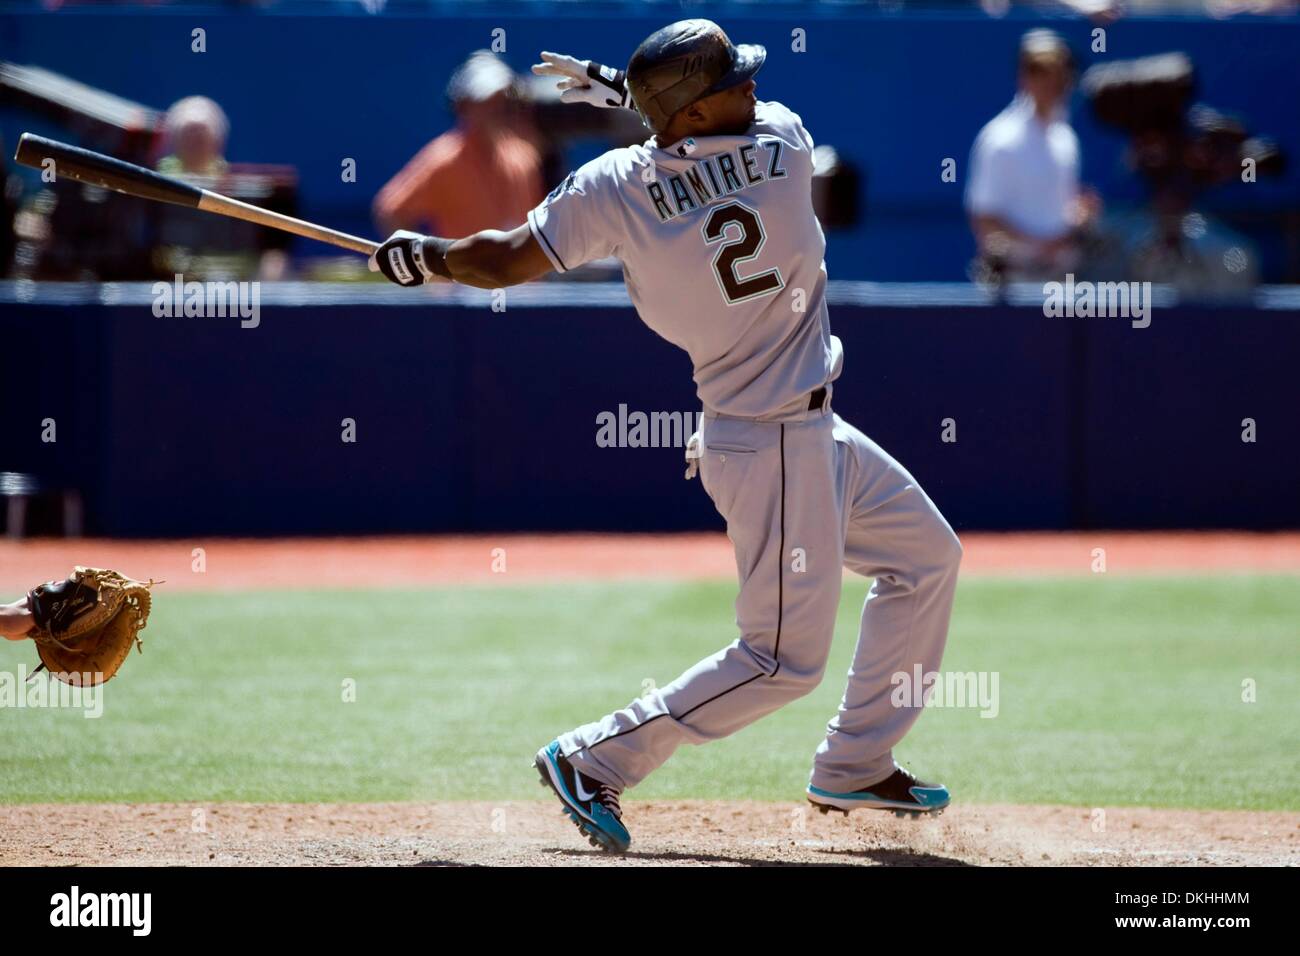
(880, 856)
(446, 863)
(899, 857)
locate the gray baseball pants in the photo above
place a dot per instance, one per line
(802, 499)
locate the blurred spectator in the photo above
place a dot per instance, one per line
(482, 174)
(1023, 192)
(1100, 12)
(195, 130)
(10, 190)
(1181, 150)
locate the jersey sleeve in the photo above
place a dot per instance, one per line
(776, 119)
(580, 221)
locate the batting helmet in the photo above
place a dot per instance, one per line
(684, 62)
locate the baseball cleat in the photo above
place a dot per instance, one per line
(591, 805)
(900, 792)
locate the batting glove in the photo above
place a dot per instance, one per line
(402, 259)
(583, 81)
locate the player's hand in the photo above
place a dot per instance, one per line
(582, 81)
(401, 259)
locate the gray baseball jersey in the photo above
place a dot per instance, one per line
(723, 256)
(721, 253)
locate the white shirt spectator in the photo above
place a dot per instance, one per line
(1025, 171)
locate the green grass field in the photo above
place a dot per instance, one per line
(1112, 692)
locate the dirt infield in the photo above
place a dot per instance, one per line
(236, 564)
(680, 833)
(686, 833)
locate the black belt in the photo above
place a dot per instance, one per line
(816, 399)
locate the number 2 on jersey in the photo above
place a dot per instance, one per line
(737, 245)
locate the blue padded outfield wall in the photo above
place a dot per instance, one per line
(895, 93)
(469, 419)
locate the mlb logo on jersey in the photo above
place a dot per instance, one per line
(567, 183)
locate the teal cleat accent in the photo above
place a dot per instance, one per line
(591, 805)
(900, 792)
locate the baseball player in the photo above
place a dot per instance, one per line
(713, 221)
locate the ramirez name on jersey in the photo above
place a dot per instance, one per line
(715, 176)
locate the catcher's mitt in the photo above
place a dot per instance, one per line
(85, 626)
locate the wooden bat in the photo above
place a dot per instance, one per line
(106, 172)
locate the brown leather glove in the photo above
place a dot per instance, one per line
(85, 626)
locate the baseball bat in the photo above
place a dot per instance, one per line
(96, 169)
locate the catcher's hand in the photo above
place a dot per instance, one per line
(85, 626)
(583, 81)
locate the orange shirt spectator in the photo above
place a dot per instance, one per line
(461, 183)
(481, 175)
